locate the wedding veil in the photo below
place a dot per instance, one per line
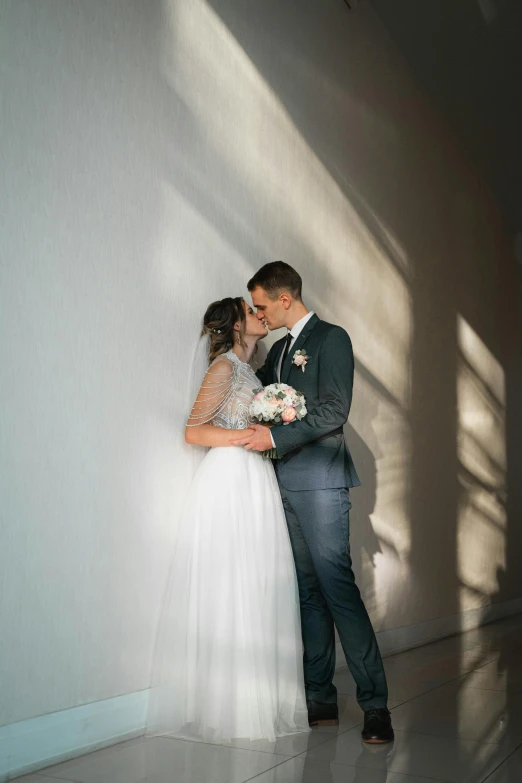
(197, 370)
(191, 457)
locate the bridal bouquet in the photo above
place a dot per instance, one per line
(278, 403)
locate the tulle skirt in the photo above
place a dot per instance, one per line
(229, 660)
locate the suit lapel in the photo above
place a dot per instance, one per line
(299, 343)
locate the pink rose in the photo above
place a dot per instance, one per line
(273, 401)
(288, 414)
(258, 395)
(299, 360)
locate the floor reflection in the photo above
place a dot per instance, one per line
(457, 712)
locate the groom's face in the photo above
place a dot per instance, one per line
(270, 311)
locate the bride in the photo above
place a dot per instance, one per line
(229, 660)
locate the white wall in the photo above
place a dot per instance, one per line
(154, 156)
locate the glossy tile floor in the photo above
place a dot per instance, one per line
(456, 707)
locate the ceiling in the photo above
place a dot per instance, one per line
(467, 55)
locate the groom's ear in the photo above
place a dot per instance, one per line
(285, 299)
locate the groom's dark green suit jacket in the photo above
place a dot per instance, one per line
(313, 451)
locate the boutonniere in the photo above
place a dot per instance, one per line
(300, 359)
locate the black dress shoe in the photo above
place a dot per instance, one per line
(377, 726)
(320, 714)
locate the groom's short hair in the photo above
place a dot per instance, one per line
(276, 277)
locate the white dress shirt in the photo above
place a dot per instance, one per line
(295, 331)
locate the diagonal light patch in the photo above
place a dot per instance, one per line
(257, 191)
(482, 474)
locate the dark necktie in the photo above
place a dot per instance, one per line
(289, 338)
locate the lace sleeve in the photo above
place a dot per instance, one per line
(215, 391)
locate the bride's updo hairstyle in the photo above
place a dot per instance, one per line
(218, 322)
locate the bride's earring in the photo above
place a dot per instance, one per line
(239, 339)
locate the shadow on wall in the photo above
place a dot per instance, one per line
(379, 147)
(364, 543)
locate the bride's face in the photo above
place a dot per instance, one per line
(253, 326)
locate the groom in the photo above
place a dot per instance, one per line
(315, 471)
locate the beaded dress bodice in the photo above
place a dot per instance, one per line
(233, 413)
(225, 394)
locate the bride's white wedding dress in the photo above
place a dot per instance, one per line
(230, 648)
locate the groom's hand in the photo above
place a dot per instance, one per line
(259, 441)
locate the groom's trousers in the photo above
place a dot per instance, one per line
(319, 527)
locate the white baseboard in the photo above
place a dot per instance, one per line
(33, 744)
(409, 636)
